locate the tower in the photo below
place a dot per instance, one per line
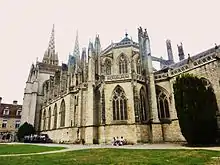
(33, 92)
(169, 51)
(181, 52)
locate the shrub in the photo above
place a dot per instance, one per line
(24, 130)
(196, 110)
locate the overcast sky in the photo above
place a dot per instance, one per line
(25, 27)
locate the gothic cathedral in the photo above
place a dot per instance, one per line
(113, 92)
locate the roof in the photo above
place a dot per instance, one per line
(48, 67)
(195, 57)
(126, 39)
(12, 110)
(125, 42)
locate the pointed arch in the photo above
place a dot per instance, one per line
(138, 66)
(206, 82)
(107, 66)
(143, 105)
(62, 113)
(163, 104)
(55, 116)
(49, 118)
(123, 64)
(119, 104)
(44, 119)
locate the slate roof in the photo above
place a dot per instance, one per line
(195, 57)
(12, 110)
(126, 39)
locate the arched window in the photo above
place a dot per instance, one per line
(107, 67)
(44, 119)
(143, 107)
(62, 114)
(49, 118)
(138, 66)
(55, 117)
(162, 104)
(206, 82)
(119, 104)
(123, 67)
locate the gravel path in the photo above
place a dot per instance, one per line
(71, 147)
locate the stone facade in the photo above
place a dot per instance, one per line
(112, 92)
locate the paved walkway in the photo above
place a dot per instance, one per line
(71, 147)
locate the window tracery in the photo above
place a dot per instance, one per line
(119, 104)
(62, 114)
(143, 107)
(123, 66)
(138, 66)
(162, 104)
(49, 118)
(107, 67)
(55, 117)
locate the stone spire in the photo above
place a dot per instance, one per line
(97, 45)
(90, 49)
(181, 52)
(50, 57)
(169, 51)
(97, 50)
(52, 42)
(76, 52)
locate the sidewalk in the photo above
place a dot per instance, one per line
(71, 147)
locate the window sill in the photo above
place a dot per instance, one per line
(166, 121)
(119, 122)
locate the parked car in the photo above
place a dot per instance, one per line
(41, 138)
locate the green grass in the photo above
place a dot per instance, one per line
(118, 156)
(23, 149)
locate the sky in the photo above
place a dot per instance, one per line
(25, 27)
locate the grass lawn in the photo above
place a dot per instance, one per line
(118, 156)
(23, 149)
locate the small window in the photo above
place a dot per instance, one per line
(17, 123)
(18, 113)
(4, 124)
(6, 112)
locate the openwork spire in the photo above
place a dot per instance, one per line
(52, 41)
(76, 52)
(50, 57)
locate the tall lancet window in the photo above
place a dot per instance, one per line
(44, 119)
(49, 118)
(162, 104)
(55, 117)
(138, 66)
(62, 114)
(119, 104)
(123, 64)
(143, 105)
(107, 67)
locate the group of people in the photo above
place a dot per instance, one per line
(118, 142)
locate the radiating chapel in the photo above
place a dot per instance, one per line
(104, 93)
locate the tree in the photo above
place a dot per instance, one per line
(24, 130)
(196, 109)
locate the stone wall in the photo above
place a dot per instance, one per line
(67, 135)
(172, 132)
